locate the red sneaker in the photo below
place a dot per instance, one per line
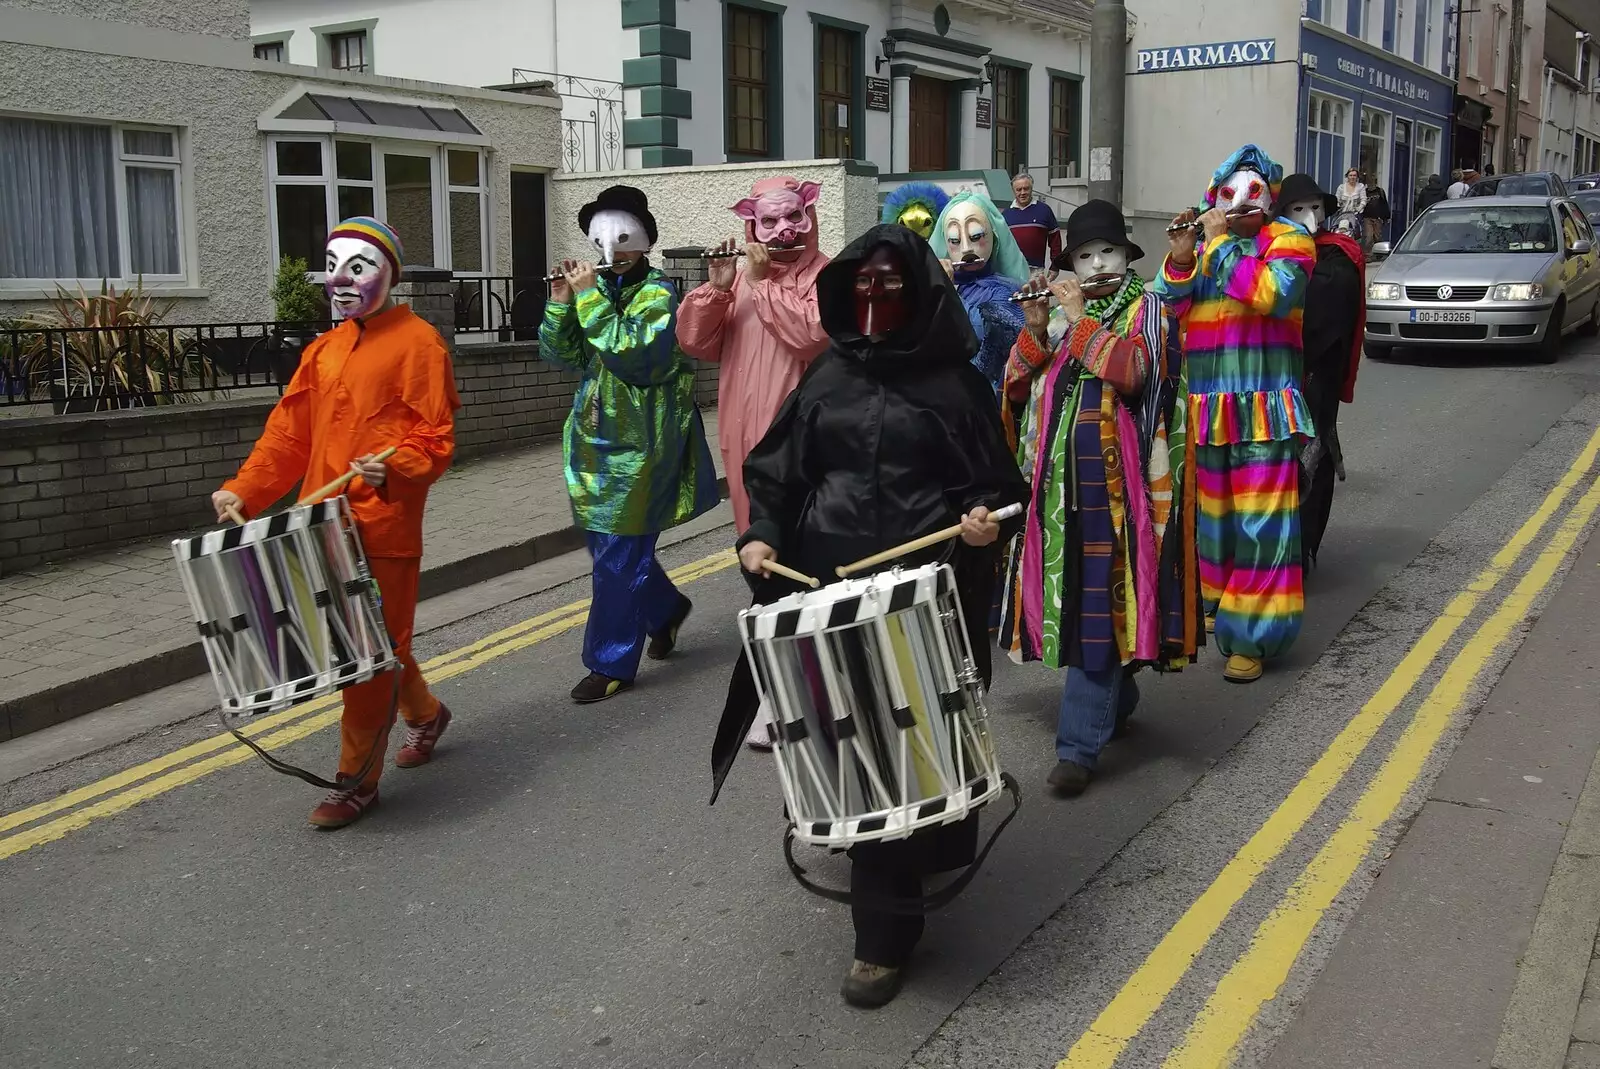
(421, 739)
(344, 807)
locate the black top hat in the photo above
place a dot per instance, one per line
(620, 199)
(1098, 220)
(1295, 188)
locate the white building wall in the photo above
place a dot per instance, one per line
(1182, 124)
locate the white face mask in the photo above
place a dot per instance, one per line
(359, 278)
(1244, 188)
(968, 239)
(1308, 213)
(616, 231)
(1099, 264)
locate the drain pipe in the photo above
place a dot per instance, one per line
(1108, 95)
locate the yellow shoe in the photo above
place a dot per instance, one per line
(1242, 669)
(1211, 625)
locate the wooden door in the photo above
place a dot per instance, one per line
(930, 124)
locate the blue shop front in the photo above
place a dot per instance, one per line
(1369, 109)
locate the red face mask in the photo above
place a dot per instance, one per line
(880, 293)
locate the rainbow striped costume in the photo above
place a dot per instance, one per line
(1240, 306)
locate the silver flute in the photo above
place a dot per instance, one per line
(1197, 226)
(560, 276)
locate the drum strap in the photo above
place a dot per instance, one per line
(343, 783)
(909, 906)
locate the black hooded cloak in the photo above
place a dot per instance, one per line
(880, 442)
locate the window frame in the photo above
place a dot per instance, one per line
(438, 154)
(281, 45)
(772, 15)
(821, 24)
(325, 38)
(1074, 159)
(121, 160)
(1021, 72)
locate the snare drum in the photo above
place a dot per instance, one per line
(286, 607)
(879, 726)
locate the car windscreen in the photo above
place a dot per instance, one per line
(1489, 228)
(1523, 185)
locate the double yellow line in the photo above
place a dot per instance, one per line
(1212, 1039)
(142, 782)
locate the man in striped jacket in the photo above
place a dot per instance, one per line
(1239, 293)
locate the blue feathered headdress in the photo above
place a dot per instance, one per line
(914, 205)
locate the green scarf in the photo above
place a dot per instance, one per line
(1107, 309)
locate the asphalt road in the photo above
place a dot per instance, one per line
(554, 891)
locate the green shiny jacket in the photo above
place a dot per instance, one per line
(636, 455)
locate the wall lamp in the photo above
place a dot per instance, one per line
(886, 46)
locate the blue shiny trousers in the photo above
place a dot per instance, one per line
(632, 598)
(1092, 703)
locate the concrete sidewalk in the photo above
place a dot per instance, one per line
(89, 631)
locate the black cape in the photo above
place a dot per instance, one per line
(1332, 309)
(879, 443)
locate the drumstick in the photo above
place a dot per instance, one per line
(233, 514)
(341, 482)
(920, 543)
(775, 568)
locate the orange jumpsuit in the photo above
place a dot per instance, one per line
(362, 387)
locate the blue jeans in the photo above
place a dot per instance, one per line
(1091, 705)
(632, 598)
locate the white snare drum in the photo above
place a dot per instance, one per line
(879, 726)
(285, 606)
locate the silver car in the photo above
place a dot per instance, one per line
(1502, 271)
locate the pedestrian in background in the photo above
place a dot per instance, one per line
(1375, 216)
(1032, 223)
(1458, 184)
(1431, 193)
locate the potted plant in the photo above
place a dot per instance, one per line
(299, 308)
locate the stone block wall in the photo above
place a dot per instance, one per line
(70, 484)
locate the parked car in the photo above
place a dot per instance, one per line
(1589, 201)
(1530, 184)
(1582, 182)
(1498, 271)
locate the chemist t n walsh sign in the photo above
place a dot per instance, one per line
(1196, 57)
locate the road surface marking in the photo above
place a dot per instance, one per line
(280, 729)
(1147, 989)
(1260, 972)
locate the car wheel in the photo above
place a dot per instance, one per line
(1592, 327)
(1378, 352)
(1549, 350)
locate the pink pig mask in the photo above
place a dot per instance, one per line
(778, 214)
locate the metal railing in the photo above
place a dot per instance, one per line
(97, 369)
(505, 308)
(591, 119)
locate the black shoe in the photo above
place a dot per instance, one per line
(664, 641)
(1124, 727)
(595, 687)
(1069, 779)
(870, 986)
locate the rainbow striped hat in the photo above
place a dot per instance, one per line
(366, 228)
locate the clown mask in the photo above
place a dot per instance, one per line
(968, 238)
(880, 292)
(1100, 267)
(619, 237)
(359, 278)
(780, 218)
(1309, 214)
(1241, 192)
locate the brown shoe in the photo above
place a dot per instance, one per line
(869, 986)
(595, 687)
(341, 808)
(1242, 669)
(421, 739)
(1069, 779)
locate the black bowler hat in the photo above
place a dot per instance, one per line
(1298, 187)
(1098, 220)
(620, 199)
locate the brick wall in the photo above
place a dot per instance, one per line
(69, 484)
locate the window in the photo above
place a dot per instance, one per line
(435, 197)
(1528, 64)
(1469, 30)
(1327, 139)
(1374, 159)
(348, 51)
(1010, 118)
(748, 92)
(1428, 141)
(1333, 13)
(1066, 109)
(89, 201)
(271, 51)
(1424, 53)
(1502, 45)
(837, 69)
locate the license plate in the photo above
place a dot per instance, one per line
(1451, 315)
